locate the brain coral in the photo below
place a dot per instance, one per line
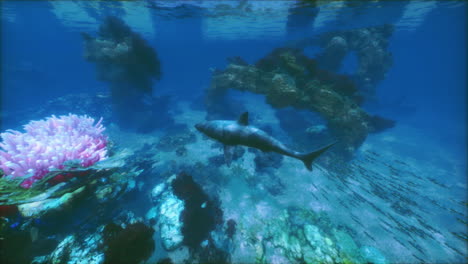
(48, 144)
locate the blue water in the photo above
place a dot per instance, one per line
(424, 91)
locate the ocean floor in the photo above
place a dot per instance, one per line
(386, 206)
(389, 205)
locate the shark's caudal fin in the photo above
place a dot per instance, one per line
(310, 157)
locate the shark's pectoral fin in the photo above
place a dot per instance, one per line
(244, 119)
(228, 153)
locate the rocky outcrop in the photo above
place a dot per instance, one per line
(288, 78)
(371, 48)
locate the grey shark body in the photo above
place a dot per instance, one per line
(234, 133)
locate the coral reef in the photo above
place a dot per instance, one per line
(371, 48)
(122, 55)
(50, 144)
(126, 61)
(300, 236)
(288, 78)
(330, 220)
(43, 192)
(78, 202)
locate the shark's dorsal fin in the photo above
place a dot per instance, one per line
(244, 119)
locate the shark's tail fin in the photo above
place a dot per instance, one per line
(310, 157)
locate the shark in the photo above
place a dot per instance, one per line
(233, 133)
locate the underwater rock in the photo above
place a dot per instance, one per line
(19, 243)
(231, 228)
(157, 191)
(379, 124)
(165, 261)
(184, 213)
(116, 186)
(348, 246)
(237, 60)
(169, 224)
(129, 64)
(371, 48)
(333, 54)
(297, 235)
(201, 213)
(131, 244)
(166, 214)
(75, 250)
(288, 78)
(99, 247)
(209, 253)
(122, 55)
(218, 105)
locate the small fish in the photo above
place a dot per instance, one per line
(232, 133)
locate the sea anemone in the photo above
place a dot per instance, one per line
(48, 144)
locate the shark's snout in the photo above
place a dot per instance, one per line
(198, 127)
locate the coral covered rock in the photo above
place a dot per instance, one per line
(184, 213)
(129, 64)
(201, 213)
(166, 214)
(371, 48)
(122, 55)
(125, 240)
(169, 222)
(288, 78)
(131, 244)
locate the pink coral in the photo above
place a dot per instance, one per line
(48, 143)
